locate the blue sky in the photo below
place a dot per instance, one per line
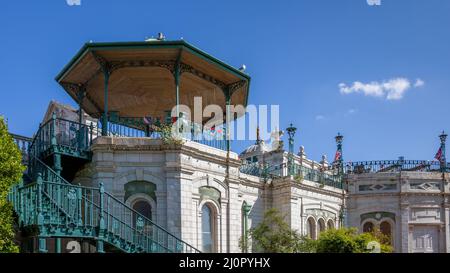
(297, 52)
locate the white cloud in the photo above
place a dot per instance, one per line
(393, 89)
(320, 117)
(419, 83)
(351, 111)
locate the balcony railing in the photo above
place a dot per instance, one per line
(69, 137)
(326, 177)
(134, 127)
(24, 144)
(379, 166)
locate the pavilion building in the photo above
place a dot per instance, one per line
(109, 177)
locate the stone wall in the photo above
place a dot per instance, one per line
(414, 203)
(177, 181)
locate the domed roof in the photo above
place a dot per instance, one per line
(256, 148)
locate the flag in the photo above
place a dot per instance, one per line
(337, 156)
(146, 121)
(438, 155)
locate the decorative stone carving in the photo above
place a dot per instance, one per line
(317, 213)
(425, 214)
(377, 215)
(378, 187)
(426, 186)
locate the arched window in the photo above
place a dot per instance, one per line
(321, 225)
(330, 224)
(386, 229)
(311, 228)
(144, 208)
(207, 229)
(368, 227)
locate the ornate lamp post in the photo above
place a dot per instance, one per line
(291, 133)
(246, 210)
(338, 159)
(443, 163)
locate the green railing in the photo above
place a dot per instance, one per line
(24, 144)
(324, 177)
(60, 209)
(377, 166)
(62, 136)
(135, 127)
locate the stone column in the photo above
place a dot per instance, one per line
(234, 217)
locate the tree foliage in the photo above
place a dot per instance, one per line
(11, 170)
(273, 235)
(348, 240)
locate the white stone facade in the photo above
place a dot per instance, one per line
(415, 204)
(177, 181)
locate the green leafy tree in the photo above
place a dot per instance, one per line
(273, 235)
(348, 240)
(11, 170)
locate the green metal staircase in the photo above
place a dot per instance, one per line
(48, 206)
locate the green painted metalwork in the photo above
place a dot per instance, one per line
(51, 207)
(291, 133)
(64, 137)
(378, 166)
(340, 161)
(443, 161)
(133, 127)
(57, 208)
(324, 177)
(245, 210)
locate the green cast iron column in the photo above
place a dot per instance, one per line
(105, 113)
(246, 209)
(54, 142)
(80, 96)
(339, 138)
(58, 245)
(228, 119)
(42, 248)
(81, 134)
(443, 163)
(291, 133)
(101, 222)
(177, 93)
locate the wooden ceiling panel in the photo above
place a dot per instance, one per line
(83, 70)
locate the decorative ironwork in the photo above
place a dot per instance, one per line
(102, 62)
(443, 161)
(187, 68)
(169, 65)
(378, 166)
(60, 209)
(24, 144)
(76, 88)
(300, 173)
(236, 85)
(291, 133)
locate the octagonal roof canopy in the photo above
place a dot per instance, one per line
(142, 78)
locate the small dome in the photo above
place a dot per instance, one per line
(256, 148)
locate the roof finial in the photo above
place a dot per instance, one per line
(258, 140)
